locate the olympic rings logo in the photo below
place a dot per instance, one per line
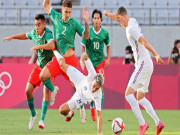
(2, 85)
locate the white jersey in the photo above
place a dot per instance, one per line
(133, 33)
(83, 85)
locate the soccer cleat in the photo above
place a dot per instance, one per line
(159, 128)
(143, 128)
(93, 114)
(69, 118)
(53, 95)
(31, 121)
(41, 124)
(83, 115)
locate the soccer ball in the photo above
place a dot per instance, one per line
(118, 126)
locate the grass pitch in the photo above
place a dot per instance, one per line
(15, 122)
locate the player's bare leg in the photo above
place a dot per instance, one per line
(136, 110)
(45, 78)
(45, 104)
(64, 110)
(150, 110)
(30, 99)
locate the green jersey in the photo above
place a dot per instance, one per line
(44, 56)
(95, 45)
(64, 32)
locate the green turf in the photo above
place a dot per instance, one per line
(15, 122)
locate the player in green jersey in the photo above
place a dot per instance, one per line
(43, 39)
(94, 47)
(65, 29)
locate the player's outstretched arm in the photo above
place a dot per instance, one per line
(108, 56)
(48, 46)
(99, 122)
(47, 6)
(148, 46)
(113, 16)
(21, 36)
(82, 63)
(85, 15)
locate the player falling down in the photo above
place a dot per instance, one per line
(88, 88)
(141, 76)
(65, 29)
(94, 47)
(43, 38)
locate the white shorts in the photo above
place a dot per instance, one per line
(76, 101)
(140, 78)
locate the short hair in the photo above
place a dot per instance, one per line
(129, 48)
(67, 3)
(122, 11)
(96, 11)
(40, 16)
(99, 79)
(176, 42)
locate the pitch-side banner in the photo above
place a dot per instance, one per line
(164, 88)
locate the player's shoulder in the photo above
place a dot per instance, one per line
(47, 30)
(132, 25)
(104, 30)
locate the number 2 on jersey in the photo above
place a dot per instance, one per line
(96, 45)
(64, 30)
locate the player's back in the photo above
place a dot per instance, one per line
(133, 33)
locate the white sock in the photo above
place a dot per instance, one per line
(135, 108)
(58, 55)
(149, 109)
(69, 114)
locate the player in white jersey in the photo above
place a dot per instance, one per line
(141, 76)
(88, 88)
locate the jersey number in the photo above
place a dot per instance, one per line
(64, 30)
(96, 45)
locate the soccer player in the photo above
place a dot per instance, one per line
(141, 76)
(88, 89)
(65, 29)
(43, 38)
(94, 47)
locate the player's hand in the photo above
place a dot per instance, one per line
(84, 56)
(107, 63)
(85, 14)
(106, 12)
(82, 64)
(34, 48)
(7, 38)
(159, 60)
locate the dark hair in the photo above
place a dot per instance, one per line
(176, 42)
(128, 48)
(40, 16)
(96, 11)
(67, 3)
(121, 11)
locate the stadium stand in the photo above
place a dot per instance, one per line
(147, 12)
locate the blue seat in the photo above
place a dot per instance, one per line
(173, 16)
(136, 3)
(161, 3)
(148, 3)
(124, 3)
(8, 2)
(86, 3)
(11, 16)
(20, 2)
(173, 3)
(111, 3)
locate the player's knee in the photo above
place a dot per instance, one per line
(42, 77)
(28, 92)
(62, 110)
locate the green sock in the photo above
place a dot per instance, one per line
(82, 106)
(102, 101)
(44, 109)
(49, 84)
(92, 104)
(31, 106)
